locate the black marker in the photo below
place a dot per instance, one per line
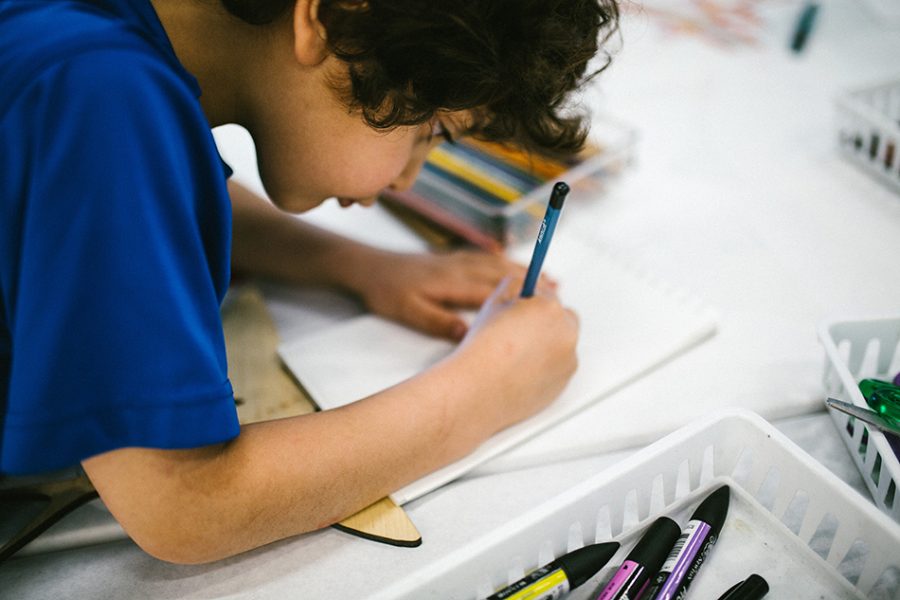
(692, 547)
(642, 562)
(752, 588)
(559, 577)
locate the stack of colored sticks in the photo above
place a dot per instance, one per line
(488, 194)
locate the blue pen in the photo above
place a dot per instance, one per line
(560, 190)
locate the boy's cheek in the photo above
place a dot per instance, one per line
(289, 189)
(355, 167)
(302, 189)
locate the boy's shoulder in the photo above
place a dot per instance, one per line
(37, 36)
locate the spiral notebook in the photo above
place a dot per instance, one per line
(629, 325)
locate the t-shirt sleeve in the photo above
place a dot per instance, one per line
(116, 331)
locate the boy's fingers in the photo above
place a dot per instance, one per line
(489, 268)
(504, 292)
(472, 295)
(434, 320)
(546, 288)
(548, 280)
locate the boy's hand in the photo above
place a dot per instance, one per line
(422, 291)
(426, 291)
(530, 345)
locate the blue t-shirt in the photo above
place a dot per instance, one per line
(115, 238)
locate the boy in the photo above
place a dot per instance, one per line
(118, 234)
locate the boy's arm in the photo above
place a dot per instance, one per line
(267, 241)
(285, 477)
(279, 478)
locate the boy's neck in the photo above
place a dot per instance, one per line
(214, 47)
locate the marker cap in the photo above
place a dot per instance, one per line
(653, 548)
(714, 509)
(582, 564)
(752, 588)
(560, 191)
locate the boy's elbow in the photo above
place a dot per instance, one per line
(179, 518)
(184, 530)
(190, 543)
(193, 507)
(179, 548)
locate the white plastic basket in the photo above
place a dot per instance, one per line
(869, 130)
(887, 12)
(790, 520)
(857, 349)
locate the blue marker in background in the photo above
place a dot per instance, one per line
(560, 190)
(804, 26)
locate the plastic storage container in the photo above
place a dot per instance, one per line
(869, 130)
(886, 11)
(790, 520)
(857, 349)
(494, 196)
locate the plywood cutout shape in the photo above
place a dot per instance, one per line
(263, 391)
(384, 522)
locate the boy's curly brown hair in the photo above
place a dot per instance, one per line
(511, 62)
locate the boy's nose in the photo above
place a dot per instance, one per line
(407, 176)
(404, 180)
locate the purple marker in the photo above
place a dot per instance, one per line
(897, 379)
(642, 562)
(691, 549)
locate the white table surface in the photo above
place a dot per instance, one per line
(736, 193)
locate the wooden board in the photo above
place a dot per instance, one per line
(262, 389)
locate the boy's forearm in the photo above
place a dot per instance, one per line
(290, 476)
(271, 243)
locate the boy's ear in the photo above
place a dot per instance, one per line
(310, 48)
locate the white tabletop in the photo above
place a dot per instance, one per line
(737, 193)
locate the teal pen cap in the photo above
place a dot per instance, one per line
(804, 26)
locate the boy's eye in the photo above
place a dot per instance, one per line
(438, 130)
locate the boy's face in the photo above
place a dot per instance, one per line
(311, 147)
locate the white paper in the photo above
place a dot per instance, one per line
(629, 324)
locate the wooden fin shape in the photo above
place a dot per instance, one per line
(383, 522)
